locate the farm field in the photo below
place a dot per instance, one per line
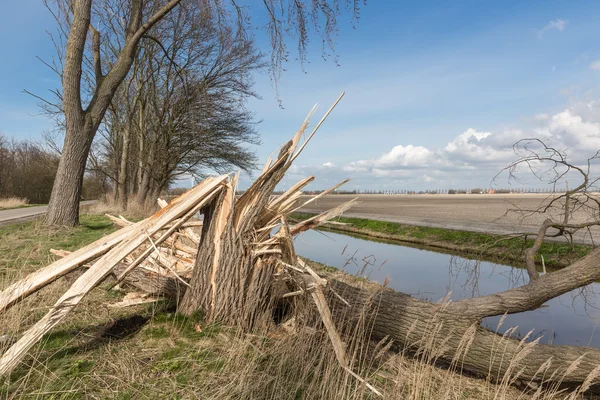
(470, 212)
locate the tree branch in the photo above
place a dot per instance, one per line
(535, 293)
(74, 56)
(96, 52)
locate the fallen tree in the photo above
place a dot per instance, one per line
(242, 271)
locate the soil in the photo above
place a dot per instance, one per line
(489, 213)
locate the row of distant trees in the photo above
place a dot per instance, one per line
(442, 191)
(28, 169)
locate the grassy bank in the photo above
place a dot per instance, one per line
(151, 352)
(26, 245)
(498, 248)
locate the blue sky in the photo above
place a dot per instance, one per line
(436, 91)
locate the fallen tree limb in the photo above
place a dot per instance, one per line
(407, 321)
(535, 293)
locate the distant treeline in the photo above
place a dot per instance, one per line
(439, 191)
(27, 170)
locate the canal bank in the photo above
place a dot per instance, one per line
(506, 249)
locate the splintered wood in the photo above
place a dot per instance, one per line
(225, 265)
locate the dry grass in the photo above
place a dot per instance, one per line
(135, 211)
(13, 202)
(150, 352)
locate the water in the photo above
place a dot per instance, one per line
(569, 319)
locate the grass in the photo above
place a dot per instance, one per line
(496, 247)
(152, 352)
(135, 211)
(27, 244)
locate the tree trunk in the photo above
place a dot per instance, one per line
(141, 135)
(418, 325)
(154, 192)
(63, 208)
(122, 186)
(145, 184)
(410, 322)
(144, 188)
(229, 284)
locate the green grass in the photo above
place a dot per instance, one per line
(75, 360)
(556, 254)
(167, 346)
(27, 244)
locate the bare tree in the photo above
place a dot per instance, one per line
(567, 214)
(82, 121)
(84, 24)
(182, 109)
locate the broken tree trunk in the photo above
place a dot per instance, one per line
(231, 282)
(239, 263)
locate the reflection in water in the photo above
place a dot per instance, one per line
(568, 319)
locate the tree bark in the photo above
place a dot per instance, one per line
(144, 188)
(63, 208)
(141, 135)
(227, 285)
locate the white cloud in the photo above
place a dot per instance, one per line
(558, 24)
(473, 157)
(574, 132)
(399, 158)
(405, 156)
(595, 65)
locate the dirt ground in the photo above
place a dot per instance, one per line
(478, 213)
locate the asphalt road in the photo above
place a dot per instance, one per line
(26, 213)
(476, 213)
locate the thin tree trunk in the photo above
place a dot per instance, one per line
(142, 193)
(155, 192)
(146, 178)
(122, 186)
(141, 135)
